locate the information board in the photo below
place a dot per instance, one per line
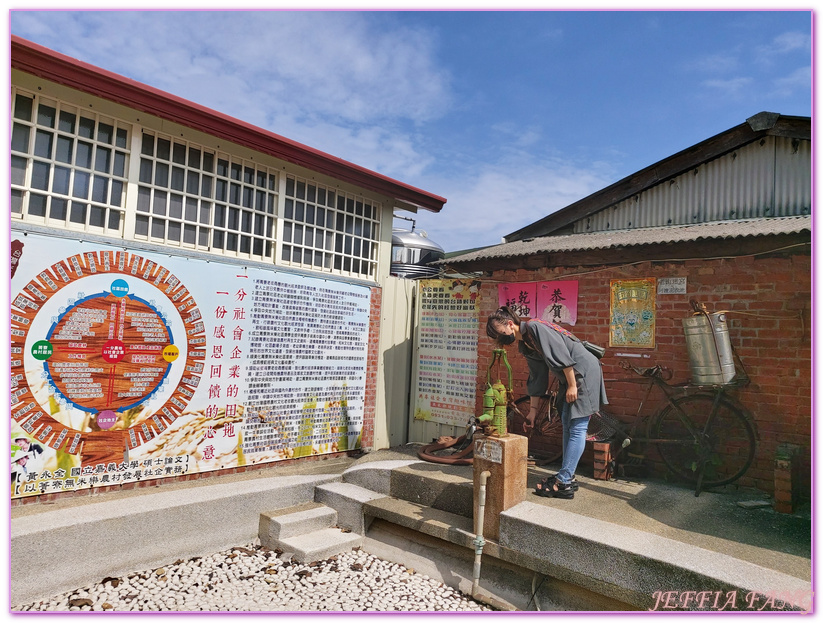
(446, 378)
(134, 365)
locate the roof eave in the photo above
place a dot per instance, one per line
(40, 61)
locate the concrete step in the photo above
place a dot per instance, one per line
(278, 525)
(448, 488)
(375, 475)
(347, 499)
(440, 524)
(320, 544)
(196, 520)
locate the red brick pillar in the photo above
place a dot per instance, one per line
(602, 460)
(786, 481)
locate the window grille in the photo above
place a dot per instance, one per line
(194, 197)
(325, 229)
(68, 168)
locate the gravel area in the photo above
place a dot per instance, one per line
(254, 578)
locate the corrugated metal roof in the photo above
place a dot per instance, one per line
(756, 128)
(639, 237)
(766, 178)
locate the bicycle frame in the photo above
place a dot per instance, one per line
(657, 377)
(702, 433)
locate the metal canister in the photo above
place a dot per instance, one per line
(499, 422)
(710, 349)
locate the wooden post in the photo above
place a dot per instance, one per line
(506, 459)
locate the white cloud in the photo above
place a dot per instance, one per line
(799, 80)
(781, 46)
(333, 64)
(720, 63)
(554, 35)
(329, 80)
(380, 148)
(732, 88)
(497, 201)
(788, 42)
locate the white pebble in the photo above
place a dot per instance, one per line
(378, 586)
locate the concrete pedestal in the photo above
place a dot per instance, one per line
(506, 459)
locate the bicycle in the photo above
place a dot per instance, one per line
(703, 435)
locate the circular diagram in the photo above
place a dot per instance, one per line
(106, 355)
(91, 365)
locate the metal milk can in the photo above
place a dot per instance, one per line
(710, 349)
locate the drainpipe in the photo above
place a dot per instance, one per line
(479, 541)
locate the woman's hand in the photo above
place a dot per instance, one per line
(528, 423)
(571, 384)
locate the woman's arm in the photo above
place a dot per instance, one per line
(534, 405)
(571, 384)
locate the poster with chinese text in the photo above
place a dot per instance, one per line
(632, 310)
(446, 374)
(520, 297)
(557, 301)
(552, 301)
(129, 366)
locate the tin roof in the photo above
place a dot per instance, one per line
(638, 237)
(40, 61)
(753, 129)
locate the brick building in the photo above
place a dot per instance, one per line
(730, 215)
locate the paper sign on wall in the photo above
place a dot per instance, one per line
(632, 310)
(552, 301)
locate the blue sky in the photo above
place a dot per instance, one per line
(509, 115)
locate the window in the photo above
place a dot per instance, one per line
(68, 167)
(73, 168)
(328, 230)
(193, 197)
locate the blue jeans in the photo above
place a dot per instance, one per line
(574, 442)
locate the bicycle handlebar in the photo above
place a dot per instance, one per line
(658, 371)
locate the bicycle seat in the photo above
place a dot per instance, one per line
(657, 371)
(653, 371)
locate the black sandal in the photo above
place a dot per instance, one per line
(545, 488)
(562, 490)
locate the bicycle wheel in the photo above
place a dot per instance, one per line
(546, 439)
(726, 444)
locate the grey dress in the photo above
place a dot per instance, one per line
(558, 352)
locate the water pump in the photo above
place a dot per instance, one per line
(497, 397)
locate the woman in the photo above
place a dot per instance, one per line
(550, 348)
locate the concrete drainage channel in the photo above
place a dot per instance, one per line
(304, 561)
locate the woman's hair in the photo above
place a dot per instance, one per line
(500, 316)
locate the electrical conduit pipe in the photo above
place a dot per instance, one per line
(479, 541)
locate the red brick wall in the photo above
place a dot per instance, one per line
(769, 300)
